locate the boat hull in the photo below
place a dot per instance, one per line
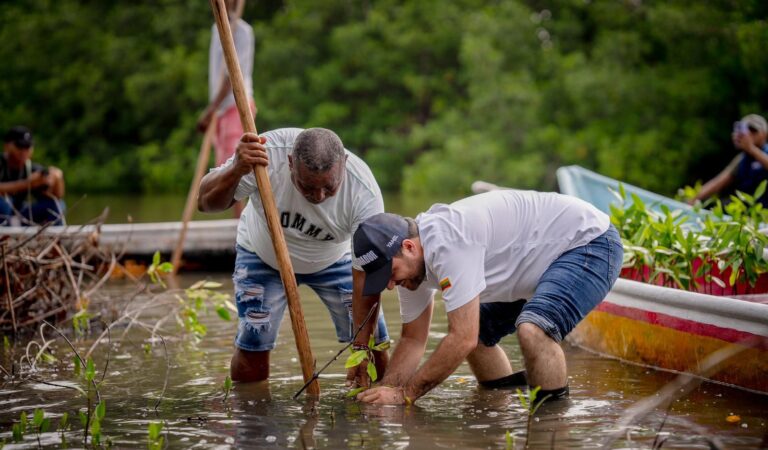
(676, 330)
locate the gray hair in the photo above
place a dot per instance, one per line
(318, 149)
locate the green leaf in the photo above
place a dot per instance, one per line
(83, 417)
(371, 342)
(223, 313)
(381, 346)
(45, 426)
(211, 285)
(96, 430)
(372, 371)
(156, 258)
(155, 428)
(23, 420)
(165, 267)
(732, 278)
(64, 421)
(90, 370)
(101, 409)
(18, 433)
(760, 189)
(37, 417)
(356, 391)
(355, 358)
(522, 398)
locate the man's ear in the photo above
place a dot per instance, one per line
(408, 246)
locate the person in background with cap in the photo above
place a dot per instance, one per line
(322, 193)
(29, 193)
(750, 167)
(504, 261)
(221, 107)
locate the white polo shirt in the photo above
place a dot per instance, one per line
(496, 245)
(316, 235)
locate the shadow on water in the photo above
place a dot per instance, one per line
(196, 414)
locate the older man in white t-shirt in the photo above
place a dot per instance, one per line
(322, 193)
(505, 261)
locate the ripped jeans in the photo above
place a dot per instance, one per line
(261, 300)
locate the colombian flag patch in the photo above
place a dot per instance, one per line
(445, 283)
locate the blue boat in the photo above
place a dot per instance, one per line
(602, 191)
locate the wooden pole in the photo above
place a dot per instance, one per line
(268, 201)
(189, 208)
(8, 290)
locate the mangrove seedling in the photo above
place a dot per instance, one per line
(157, 268)
(509, 438)
(317, 373)
(98, 417)
(81, 323)
(197, 297)
(365, 355)
(529, 401)
(63, 427)
(664, 248)
(154, 436)
(227, 387)
(19, 429)
(40, 424)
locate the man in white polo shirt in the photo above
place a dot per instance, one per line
(505, 261)
(322, 193)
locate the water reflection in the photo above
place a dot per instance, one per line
(457, 414)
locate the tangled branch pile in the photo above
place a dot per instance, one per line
(47, 275)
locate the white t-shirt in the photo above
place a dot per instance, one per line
(242, 34)
(317, 235)
(496, 245)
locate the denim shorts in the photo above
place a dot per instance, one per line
(261, 300)
(574, 284)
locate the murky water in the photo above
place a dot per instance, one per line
(195, 413)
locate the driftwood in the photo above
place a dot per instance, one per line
(49, 276)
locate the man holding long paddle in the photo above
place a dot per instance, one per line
(322, 193)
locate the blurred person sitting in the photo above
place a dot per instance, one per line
(29, 192)
(750, 167)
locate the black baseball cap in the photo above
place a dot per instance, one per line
(20, 136)
(376, 241)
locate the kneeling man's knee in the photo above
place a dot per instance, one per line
(530, 335)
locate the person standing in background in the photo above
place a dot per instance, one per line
(221, 111)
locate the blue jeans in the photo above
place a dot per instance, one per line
(42, 210)
(572, 286)
(261, 300)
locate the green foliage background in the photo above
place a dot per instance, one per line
(433, 94)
